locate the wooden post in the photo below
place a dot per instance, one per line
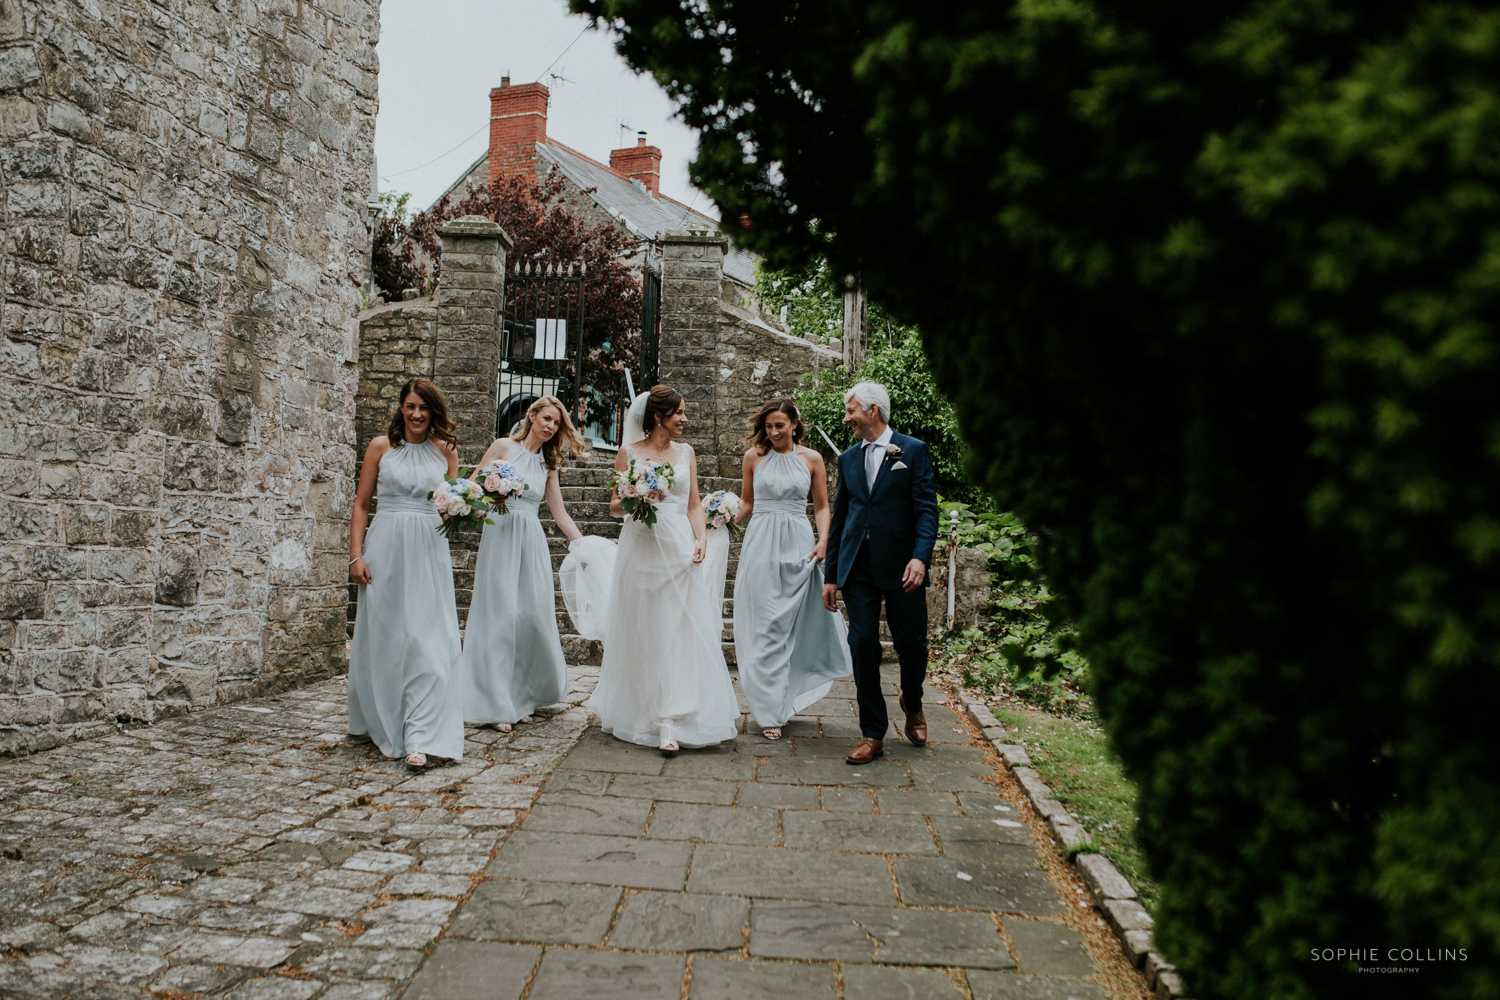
(855, 308)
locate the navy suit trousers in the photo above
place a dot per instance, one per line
(906, 613)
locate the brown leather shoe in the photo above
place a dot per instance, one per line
(866, 751)
(916, 729)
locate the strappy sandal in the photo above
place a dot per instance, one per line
(668, 745)
(416, 760)
(500, 727)
(771, 732)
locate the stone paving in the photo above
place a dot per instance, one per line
(254, 853)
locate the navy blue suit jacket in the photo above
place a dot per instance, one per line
(899, 514)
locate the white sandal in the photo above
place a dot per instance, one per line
(771, 732)
(416, 760)
(500, 727)
(526, 721)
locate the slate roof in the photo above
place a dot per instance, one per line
(628, 201)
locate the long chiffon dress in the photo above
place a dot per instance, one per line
(663, 674)
(788, 647)
(403, 667)
(513, 659)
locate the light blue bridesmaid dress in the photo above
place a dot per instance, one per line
(404, 686)
(788, 646)
(513, 659)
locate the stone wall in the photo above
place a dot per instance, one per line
(971, 595)
(396, 343)
(183, 194)
(724, 358)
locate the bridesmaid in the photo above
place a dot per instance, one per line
(789, 647)
(403, 680)
(513, 659)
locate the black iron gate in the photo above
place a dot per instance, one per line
(650, 327)
(542, 340)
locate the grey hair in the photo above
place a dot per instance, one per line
(868, 394)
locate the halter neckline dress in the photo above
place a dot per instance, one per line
(404, 660)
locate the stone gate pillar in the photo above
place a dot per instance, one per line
(692, 269)
(469, 300)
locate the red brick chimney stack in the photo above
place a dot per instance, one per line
(639, 163)
(518, 121)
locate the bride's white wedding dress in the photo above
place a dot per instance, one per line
(663, 674)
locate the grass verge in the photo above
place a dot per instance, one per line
(1072, 756)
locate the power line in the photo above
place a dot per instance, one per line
(543, 73)
(563, 52)
(386, 177)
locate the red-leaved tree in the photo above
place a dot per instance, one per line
(546, 229)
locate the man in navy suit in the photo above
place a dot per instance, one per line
(879, 544)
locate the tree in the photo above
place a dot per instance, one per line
(547, 229)
(1214, 290)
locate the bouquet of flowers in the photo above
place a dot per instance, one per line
(502, 482)
(467, 502)
(721, 508)
(642, 486)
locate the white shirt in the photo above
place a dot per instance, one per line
(874, 455)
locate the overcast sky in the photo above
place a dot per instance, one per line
(439, 59)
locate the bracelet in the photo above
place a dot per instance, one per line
(355, 560)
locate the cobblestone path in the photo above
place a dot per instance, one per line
(252, 852)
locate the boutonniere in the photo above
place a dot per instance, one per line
(892, 452)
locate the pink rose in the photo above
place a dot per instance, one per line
(655, 496)
(628, 491)
(492, 483)
(442, 500)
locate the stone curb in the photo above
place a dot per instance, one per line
(1112, 891)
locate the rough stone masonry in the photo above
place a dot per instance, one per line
(183, 193)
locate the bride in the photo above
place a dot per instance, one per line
(663, 681)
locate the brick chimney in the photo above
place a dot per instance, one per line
(518, 121)
(640, 163)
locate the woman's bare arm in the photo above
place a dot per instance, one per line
(695, 508)
(747, 484)
(359, 517)
(821, 514)
(621, 462)
(559, 510)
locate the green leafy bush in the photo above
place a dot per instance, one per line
(1017, 650)
(1215, 291)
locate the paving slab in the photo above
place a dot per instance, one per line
(572, 813)
(714, 824)
(671, 789)
(777, 796)
(808, 930)
(581, 975)
(721, 980)
(780, 873)
(600, 752)
(998, 888)
(863, 982)
(681, 921)
(823, 831)
(1012, 986)
(1047, 948)
(929, 937)
(905, 801)
(561, 857)
(543, 912)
